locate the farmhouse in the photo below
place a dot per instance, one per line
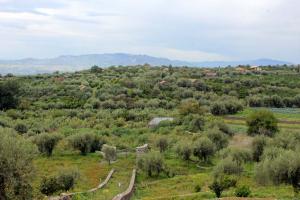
(255, 68)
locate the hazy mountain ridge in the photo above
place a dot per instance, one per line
(73, 63)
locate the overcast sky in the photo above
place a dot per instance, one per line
(192, 30)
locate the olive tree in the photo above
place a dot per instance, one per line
(258, 145)
(46, 142)
(110, 153)
(204, 148)
(16, 167)
(162, 143)
(86, 142)
(218, 138)
(151, 163)
(262, 122)
(184, 150)
(283, 168)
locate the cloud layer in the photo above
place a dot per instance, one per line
(189, 30)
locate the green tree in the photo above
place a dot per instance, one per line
(16, 167)
(86, 142)
(184, 150)
(258, 145)
(110, 153)
(21, 128)
(262, 122)
(204, 148)
(162, 143)
(9, 91)
(283, 168)
(152, 163)
(218, 138)
(46, 142)
(220, 184)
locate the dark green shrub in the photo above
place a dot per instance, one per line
(64, 181)
(218, 108)
(221, 184)
(242, 191)
(49, 186)
(258, 145)
(162, 143)
(9, 91)
(21, 128)
(197, 188)
(86, 142)
(67, 179)
(262, 122)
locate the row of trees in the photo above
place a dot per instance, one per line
(274, 101)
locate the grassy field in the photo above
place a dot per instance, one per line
(92, 169)
(190, 175)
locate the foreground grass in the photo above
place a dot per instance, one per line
(89, 168)
(117, 184)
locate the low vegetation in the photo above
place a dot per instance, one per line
(63, 132)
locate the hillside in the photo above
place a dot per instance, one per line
(72, 129)
(75, 63)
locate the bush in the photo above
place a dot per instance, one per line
(9, 91)
(262, 122)
(21, 128)
(228, 166)
(190, 106)
(194, 123)
(258, 145)
(242, 191)
(237, 155)
(151, 163)
(64, 181)
(110, 153)
(227, 107)
(221, 184)
(86, 142)
(218, 138)
(16, 166)
(204, 149)
(282, 168)
(218, 108)
(46, 142)
(197, 188)
(184, 150)
(49, 186)
(162, 143)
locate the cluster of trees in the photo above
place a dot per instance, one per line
(274, 101)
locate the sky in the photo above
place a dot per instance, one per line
(191, 30)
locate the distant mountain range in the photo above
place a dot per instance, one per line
(74, 63)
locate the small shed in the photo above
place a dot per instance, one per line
(155, 121)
